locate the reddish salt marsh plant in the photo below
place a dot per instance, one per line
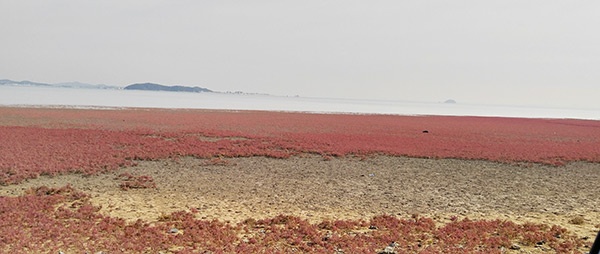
(68, 218)
(55, 141)
(50, 220)
(129, 181)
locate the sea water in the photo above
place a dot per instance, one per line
(118, 98)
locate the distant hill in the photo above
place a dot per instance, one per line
(62, 85)
(84, 85)
(157, 87)
(138, 86)
(450, 101)
(23, 83)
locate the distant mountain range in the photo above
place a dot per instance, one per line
(158, 87)
(64, 85)
(140, 86)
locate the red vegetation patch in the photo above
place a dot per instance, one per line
(53, 141)
(65, 216)
(129, 181)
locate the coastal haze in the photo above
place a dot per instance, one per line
(509, 53)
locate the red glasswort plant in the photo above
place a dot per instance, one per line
(129, 181)
(56, 141)
(50, 220)
(38, 142)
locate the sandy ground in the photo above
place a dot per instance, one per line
(349, 188)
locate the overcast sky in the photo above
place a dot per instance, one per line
(516, 52)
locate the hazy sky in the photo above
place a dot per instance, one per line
(532, 52)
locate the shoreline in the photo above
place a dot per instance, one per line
(144, 108)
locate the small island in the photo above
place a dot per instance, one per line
(450, 101)
(157, 87)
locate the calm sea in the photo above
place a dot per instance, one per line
(99, 98)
